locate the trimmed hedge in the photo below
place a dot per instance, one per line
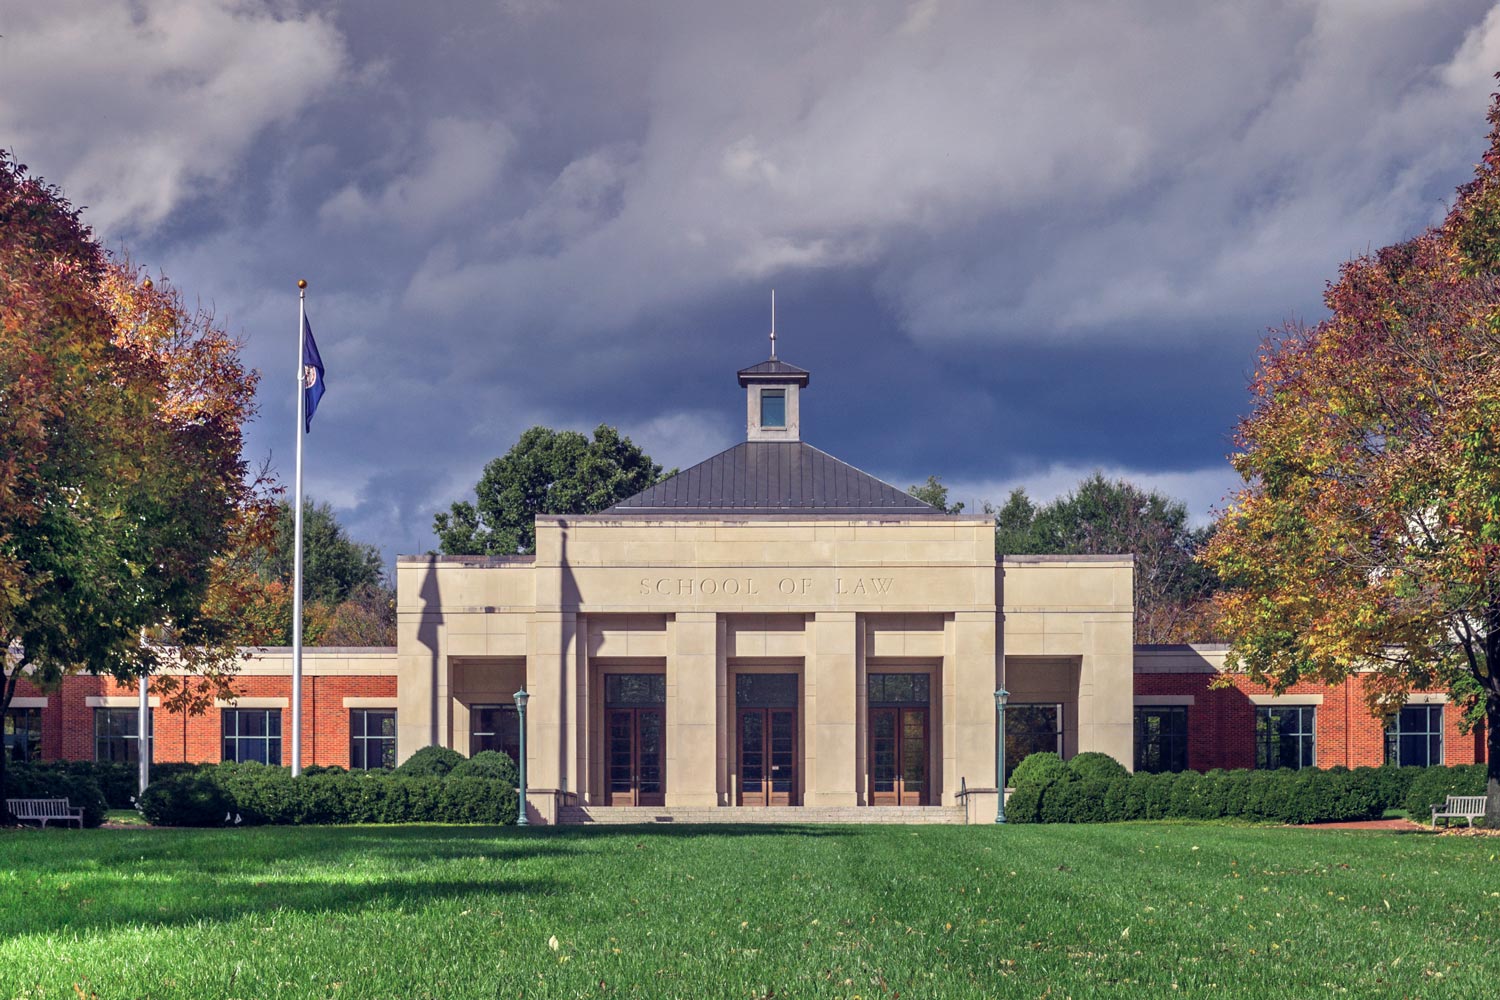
(118, 782)
(488, 764)
(26, 781)
(255, 794)
(1435, 784)
(433, 762)
(1052, 792)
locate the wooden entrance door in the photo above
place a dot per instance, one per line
(898, 756)
(768, 756)
(636, 757)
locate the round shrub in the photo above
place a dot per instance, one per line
(430, 762)
(476, 800)
(1094, 766)
(186, 800)
(1039, 770)
(487, 764)
(1024, 805)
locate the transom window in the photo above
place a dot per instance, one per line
(117, 734)
(773, 407)
(1031, 729)
(766, 691)
(1414, 738)
(495, 727)
(372, 738)
(23, 735)
(899, 689)
(253, 734)
(1161, 738)
(631, 690)
(1284, 736)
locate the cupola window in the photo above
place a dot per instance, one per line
(773, 408)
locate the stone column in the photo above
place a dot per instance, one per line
(1106, 688)
(692, 710)
(972, 664)
(832, 654)
(551, 658)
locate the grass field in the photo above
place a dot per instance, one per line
(873, 912)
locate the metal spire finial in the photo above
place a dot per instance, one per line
(773, 324)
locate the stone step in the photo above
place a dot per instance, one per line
(640, 815)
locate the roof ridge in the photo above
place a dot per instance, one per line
(862, 472)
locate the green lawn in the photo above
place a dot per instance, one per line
(1133, 910)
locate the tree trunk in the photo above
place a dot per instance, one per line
(7, 693)
(1492, 754)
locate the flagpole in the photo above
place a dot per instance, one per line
(297, 533)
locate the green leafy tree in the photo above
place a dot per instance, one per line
(1105, 517)
(546, 472)
(123, 495)
(334, 566)
(1367, 535)
(935, 493)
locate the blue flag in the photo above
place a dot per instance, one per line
(312, 373)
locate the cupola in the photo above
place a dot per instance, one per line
(772, 411)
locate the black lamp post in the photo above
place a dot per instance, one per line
(521, 699)
(1000, 695)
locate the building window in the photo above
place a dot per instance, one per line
(899, 689)
(1161, 739)
(253, 734)
(23, 735)
(1031, 729)
(1414, 738)
(765, 691)
(773, 408)
(117, 734)
(495, 727)
(1284, 737)
(372, 738)
(635, 690)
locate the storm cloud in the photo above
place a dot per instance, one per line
(1014, 242)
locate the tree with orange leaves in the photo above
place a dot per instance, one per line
(1367, 537)
(124, 501)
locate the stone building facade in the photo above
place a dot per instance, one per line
(770, 628)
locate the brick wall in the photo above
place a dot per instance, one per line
(68, 720)
(1221, 722)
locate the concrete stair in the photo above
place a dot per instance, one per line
(790, 815)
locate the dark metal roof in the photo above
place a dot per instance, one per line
(774, 371)
(769, 477)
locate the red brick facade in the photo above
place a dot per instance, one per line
(68, 718)
(1221, 722)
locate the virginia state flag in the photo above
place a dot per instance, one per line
(312, 374)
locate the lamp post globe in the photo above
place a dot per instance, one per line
(1001, 695)
(522, 696)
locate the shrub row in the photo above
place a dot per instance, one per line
(257, 794)
(24, 781)
(1047, 790)
(118, 782)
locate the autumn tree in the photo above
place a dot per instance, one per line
(1104, 517)
(122, 490)
(546, 472)
(347, 600)
(1367, 535)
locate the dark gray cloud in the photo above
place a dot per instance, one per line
(1014, 242)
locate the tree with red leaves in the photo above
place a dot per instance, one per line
(1367, 537)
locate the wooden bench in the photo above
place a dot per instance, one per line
(1469, 807)
(45, 811)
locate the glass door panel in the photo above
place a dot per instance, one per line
(621, 760)
(752, 740)
(913, 756)
(783, 751)
(883, 745)
(650, 757)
